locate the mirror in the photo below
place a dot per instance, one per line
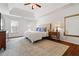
(71, 25)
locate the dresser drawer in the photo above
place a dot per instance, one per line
(3, 39)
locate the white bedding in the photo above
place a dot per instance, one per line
(34, 35)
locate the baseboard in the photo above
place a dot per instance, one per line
(15, 37)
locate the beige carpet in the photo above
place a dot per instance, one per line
(22, 47)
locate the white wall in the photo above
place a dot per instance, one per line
(57, 17)
(23, 24)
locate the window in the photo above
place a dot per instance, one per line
(14, 26)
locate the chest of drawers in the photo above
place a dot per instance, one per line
(3, 39)
(54, 35)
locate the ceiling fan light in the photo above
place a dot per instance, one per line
(34, 6)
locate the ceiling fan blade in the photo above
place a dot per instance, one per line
(32, 7)
(38, 5)
(27, 3)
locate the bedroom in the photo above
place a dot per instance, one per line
(21, 22)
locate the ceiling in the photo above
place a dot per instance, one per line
(46, 8)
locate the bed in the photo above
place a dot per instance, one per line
(35, 35)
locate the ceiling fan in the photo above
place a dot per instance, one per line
(34, 5)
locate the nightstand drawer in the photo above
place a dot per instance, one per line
(53, 33)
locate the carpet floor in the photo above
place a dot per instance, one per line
(22, 47)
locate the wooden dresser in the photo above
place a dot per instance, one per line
(3, 39)
(54, 35)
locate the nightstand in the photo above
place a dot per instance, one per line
(54, 35)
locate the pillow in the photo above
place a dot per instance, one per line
(41, 29)
(38, 29)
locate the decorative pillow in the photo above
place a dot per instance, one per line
(37, 28)
(41, 29)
